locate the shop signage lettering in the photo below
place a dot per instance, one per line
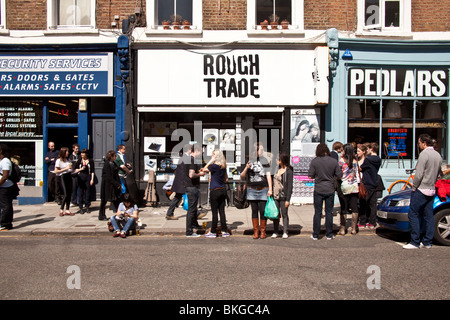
(56, 75)
(234, 66)
(20, 122)
(397, 82)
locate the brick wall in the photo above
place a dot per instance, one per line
(427, 15)
(26, 14)
(325, 14)
(32, 14)
(430, 15)
(230, 15)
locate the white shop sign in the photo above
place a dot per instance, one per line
(232, 77)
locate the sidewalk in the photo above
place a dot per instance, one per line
(44, 219)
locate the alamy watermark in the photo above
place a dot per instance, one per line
(246, 141)
(374, 280)
(74, 280)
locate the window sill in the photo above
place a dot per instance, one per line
(74, 32)
(279, 33)
(377, 34)
(154, 31)
(4, 32)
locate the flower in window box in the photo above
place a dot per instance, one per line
(284, 24)
(186, 25)
(166, 24)
(264, 25)
(274, 21)
(176, 21)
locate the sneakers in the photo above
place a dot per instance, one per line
(410, 246)
(210, 235)
(193, 235)
(274, 235)
(314, 238)
(361, 226)
(331, 237)
(285, 236)
(225, 234)
(428, 246)
(370, 226)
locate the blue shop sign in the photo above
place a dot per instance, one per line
(56, 75)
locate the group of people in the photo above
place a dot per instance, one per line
(259, 183)
(346, 170)
(72, 179)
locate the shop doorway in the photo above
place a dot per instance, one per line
(62, 137)
(103, 139)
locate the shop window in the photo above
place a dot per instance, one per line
(393, 106)
(63, 111)
(288, 10)
(2, 14)
(160, 11)
(21, 119)
(69, 14)
(384, 15)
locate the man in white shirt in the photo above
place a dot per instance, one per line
(6, 190)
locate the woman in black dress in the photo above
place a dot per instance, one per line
(110, 189)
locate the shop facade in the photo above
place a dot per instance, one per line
(228, 98)
(390, 92)
(62, 94)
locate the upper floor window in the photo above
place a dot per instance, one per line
(259, 11)
(2, 14)
(384, 15)
(174, 13)
(70, 14)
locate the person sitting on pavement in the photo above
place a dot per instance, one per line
(128, 212)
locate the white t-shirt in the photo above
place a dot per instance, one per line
(62, 165)
(6, 164)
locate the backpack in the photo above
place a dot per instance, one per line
(16, 174)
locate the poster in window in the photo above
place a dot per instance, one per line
(154, 144)
(211, 136)
(305, 131)
(227, 139)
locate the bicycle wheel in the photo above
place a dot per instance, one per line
(399, 185)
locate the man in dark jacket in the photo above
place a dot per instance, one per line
(369, 169)
(52, 185)
(324, 170)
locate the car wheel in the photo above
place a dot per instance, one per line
(442, 227)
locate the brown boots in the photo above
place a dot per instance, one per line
(342, 228)
(255, 223)
(354, 223)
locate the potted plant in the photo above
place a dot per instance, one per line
(186, 25)
(285, 24)
(264, 25)
(273, 18)
(176, 21)
(166, 24)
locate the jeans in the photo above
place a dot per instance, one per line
(318, 204)
(174, 203)
(84, 190)
(368, 210)
(421, 215)
(128, 224)
(284, 213)
(191, 216)
(6, 207)
(66, 188)
(218, 198)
